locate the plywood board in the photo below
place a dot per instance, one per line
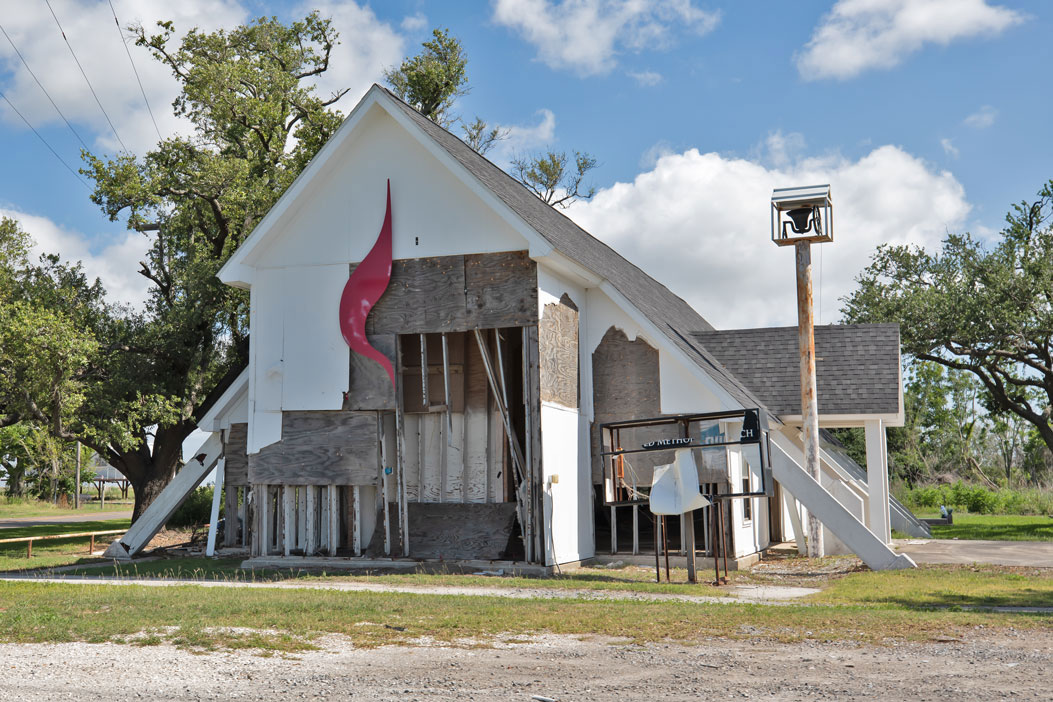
(451, 531)
(625, 385)
(320, 448)
(424, 295)
(558, 342)
(237, 460)
(370, 386)
(477, 454)
(501, 290)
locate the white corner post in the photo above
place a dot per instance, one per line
(809, 403)
(213, 522)
(877, 479)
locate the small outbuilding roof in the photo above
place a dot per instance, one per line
(857, 366)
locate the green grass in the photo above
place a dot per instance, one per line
(632, 579)
(290, 620)
(943, 586)
(11, 508)
(53, 552)
(996, 527)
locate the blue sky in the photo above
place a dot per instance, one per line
(927, 116)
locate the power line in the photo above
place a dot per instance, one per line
(82, 72)
(26, 64)
(134, 70)
(45, 141)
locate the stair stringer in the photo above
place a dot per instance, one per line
(162, 508)
(786, 464)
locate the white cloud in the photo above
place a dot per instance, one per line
(982, 118)
(523, 138)
(949, 148)
(367, 46)
(586, 35)
(858, 35)
(414, 23)
(93, 35)
(648, 79)
(700, 224)
(115, 263)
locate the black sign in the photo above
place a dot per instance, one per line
(750, 428)
(667, 443)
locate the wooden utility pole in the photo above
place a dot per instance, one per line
(809, 405)
(76, 486)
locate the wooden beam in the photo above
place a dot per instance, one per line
(356, 531)
(400, 431)
(289, 519)
(334, 518)
(311, 519)
(513, 442)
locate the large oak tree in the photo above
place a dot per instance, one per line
(983, 309)
(140, 378)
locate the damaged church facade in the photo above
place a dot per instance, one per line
(455, 410)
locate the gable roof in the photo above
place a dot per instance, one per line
(669, 313)
(857, 366)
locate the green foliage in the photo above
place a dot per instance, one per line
(433, 79)
(979, 500)
(195, 510)
(116, 375)
(549, 176)
(979, 309)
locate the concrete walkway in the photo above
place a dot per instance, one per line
(81, 516)
(1034, 554)
(754, 594)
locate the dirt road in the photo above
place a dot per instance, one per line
(82, 516)
(983, 665)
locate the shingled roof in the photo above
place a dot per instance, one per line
(857, 366)
(668, 312)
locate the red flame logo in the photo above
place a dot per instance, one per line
(364, 287)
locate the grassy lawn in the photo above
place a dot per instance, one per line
(17, 509)
(55, 552)
(943, 586)
(285, 620)
(633, 579)
(997, 527)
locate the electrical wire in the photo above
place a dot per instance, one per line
(820, 284)
(42, 88)
(83, 73)
(134, 70)
(45, 142)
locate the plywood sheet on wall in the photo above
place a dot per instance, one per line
(320, 448)
(236, 468)
(500, 290)
(370, 386)
(457, 293)
(625, 383)
(558, 348)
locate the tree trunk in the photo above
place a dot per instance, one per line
(150, 474)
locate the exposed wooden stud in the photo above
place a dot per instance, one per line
(383, 461)
(401, 451)
(289, 521)
(301, 517)
(425, 394)
(356, 544)
(245, 516)
(448, 444)
(532, 399)
(614, 530)
(334, 518)
(513, 441)
(311, 518)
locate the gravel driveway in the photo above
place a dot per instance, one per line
(983, 666)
